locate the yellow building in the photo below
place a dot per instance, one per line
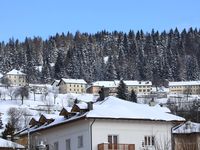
(16, 78)
(184, 87)
(140, 87)
(72, 86)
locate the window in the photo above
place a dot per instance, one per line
(80, 141)
(149, 140)
(68, 144)
(112, 141)
(56, 146)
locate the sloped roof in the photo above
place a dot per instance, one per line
(113, 107)
(115, 83)
(77, 81)
(134, 82)
(6, 144)
(186, 128)
(15, 72)
(105, 83)
(184, 83)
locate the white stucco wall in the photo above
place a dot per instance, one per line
(63, 132)
(130, 132)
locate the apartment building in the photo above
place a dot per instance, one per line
(184, 87)
(140, 87)
(72, 86)
(16, 78)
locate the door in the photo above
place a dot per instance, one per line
(112, 142)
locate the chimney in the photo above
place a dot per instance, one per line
(90, 106)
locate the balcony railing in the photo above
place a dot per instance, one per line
(106, 146)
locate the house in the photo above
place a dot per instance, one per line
(140, 87)
(9, 145)
(16, 78)
(184, 87)
(95, 87)
(55, 83)
(109, 124)
(72, 86)
(39, 88)
(186, 136)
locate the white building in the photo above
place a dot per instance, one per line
(112, 123)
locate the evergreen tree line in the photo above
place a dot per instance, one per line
(155, 56)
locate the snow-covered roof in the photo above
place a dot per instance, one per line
(113, 107)
(68, 109)
(50, 116)
(7, 144)
(77, 81)
(82, 105)
(132, 82)
(186, 128)
(105, 83)
(184, 83)
(115, 83)
(15, 72)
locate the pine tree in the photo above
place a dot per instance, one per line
(122, 90)
(9, 131)
(133, 96)
(59, 71)
(102, 94)
(111, 73)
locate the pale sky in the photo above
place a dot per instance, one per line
(29, 18)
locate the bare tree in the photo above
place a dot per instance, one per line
(23, 92)
(163, 145)
(18, 117)
(187, 92)
(11, 92)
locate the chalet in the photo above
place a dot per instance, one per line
(140, 87)
(186, 136)
(184, 87)
(16, 78)
(72, 86)
(109, 124)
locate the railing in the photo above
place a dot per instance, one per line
(106, 146)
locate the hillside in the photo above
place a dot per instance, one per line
(106, 55)
(33, 107)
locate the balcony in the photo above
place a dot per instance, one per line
(106, 146)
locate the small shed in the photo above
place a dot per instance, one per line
(186, 136)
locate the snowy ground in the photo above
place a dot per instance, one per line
(38, 103)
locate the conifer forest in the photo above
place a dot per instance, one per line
(156, 56)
